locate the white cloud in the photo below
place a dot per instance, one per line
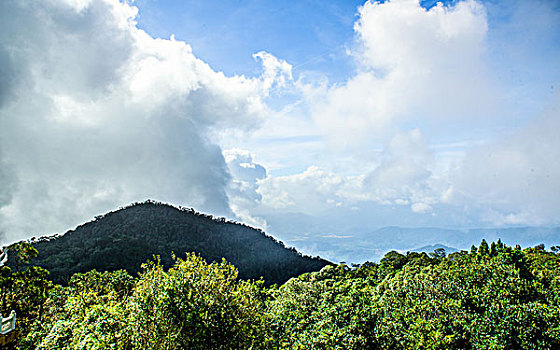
(421, 208)
(402, 177)
(311, 191)
(413, 64)
(277, 72)
(242, 167)
(432, 70)
(95, 113)
(405, 174)
(400, 34)
(404, 164)
(242, 191)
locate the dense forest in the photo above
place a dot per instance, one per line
(492, 297)
(126, 238)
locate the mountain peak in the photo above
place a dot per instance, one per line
(127, 237)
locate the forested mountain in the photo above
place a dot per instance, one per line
(126, 238)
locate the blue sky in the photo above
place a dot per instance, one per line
(270, 112)
(311, 35)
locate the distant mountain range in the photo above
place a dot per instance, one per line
(126, 238)
(372, 245)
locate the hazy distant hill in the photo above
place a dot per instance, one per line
(373, 245)
(126, 238)
(411, 237)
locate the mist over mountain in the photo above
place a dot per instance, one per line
(128, 237)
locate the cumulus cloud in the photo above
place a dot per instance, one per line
(242, 166)
(312, 191)
(433, 69)
(413, 63)
(242, 190)
(421, 208)
(277, 72)
(402, 176)
(95, 113)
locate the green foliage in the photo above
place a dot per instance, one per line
(324, 310)
(194, 305)
(494, 297)
(23, 290)
(438, 253)
(394, 260)
(483, 248)
(87, 314)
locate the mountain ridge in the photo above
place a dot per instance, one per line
(127, 237)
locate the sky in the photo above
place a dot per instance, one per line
(303, 118)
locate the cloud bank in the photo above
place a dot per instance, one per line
(412, 64)
(95, 113)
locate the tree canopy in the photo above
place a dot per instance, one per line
(494, 297)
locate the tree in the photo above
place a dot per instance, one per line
(87, 314)
(24, 290)
(438, 253)
(394, 260)
(483, 248)
(196, 305)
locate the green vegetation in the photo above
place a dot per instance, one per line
(24, 289)
(493, 297)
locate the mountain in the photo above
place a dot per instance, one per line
(128, 237)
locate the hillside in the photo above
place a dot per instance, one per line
(126, 238)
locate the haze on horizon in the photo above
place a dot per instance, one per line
(305, 118)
